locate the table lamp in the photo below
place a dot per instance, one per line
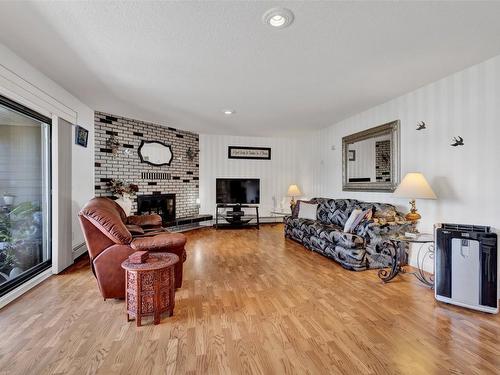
(414, 186)
(293, 191)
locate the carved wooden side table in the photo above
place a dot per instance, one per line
(150, 287)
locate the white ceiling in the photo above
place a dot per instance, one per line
(182, 63)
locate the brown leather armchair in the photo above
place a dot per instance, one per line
(110, 242)
(136, 224)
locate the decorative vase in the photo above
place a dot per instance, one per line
(125, 202)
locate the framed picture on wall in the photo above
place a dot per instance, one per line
(242, 152)
(352, 155)
(81, 136)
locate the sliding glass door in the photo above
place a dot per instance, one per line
(25, 247)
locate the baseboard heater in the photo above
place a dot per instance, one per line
(466, 268)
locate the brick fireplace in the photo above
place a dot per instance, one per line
(117, 140)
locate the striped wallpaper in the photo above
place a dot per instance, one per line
(466, 179)
(275, 174)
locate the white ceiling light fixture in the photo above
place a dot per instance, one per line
(278, 18)
(229, 112)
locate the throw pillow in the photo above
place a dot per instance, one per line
(357, 215)
(295, 212)
(354, 214)
(307, 211)
(365, 214)
(385, 211)
(369, 214)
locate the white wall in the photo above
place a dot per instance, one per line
(465, 179)
(275, 174)
(21, 82)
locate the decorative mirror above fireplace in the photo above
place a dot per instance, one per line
(371, 159)
(155, 153)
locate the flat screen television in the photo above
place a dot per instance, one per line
(237, 190)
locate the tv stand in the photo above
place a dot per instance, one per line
(236, 217)
(236, 209)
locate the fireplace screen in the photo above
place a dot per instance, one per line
(161, 204)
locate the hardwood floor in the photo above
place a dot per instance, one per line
(252, 303)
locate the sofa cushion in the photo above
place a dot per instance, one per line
(308, 210)
(326, 232)
(352, 221)
(134, 229)
(337, 237)
(326, 208)
(316, 228)
(351, 259)
(295, 222)
(335, 211)
(152, 220)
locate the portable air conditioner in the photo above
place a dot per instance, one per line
(466, 266)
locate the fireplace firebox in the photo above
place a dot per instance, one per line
(161, 204)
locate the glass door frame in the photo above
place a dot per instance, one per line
(10, 285)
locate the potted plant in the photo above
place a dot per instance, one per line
(7, 258)
(20, 239)
(5, 230)
(26, 228)
(8, 263)
(125, 191)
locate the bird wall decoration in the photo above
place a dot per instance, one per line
(421, 125)
(457, 141)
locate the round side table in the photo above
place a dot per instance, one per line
(150, 287)
(426, 250)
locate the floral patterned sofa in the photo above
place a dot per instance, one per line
(364, 248)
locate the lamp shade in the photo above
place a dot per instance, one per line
(414, 186)
(294, 191)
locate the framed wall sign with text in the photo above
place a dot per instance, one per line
(241, 152)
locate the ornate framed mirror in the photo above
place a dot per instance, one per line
(371, 159)
(155, 153)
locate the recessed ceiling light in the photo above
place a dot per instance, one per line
(278, 18)
(229, 112)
